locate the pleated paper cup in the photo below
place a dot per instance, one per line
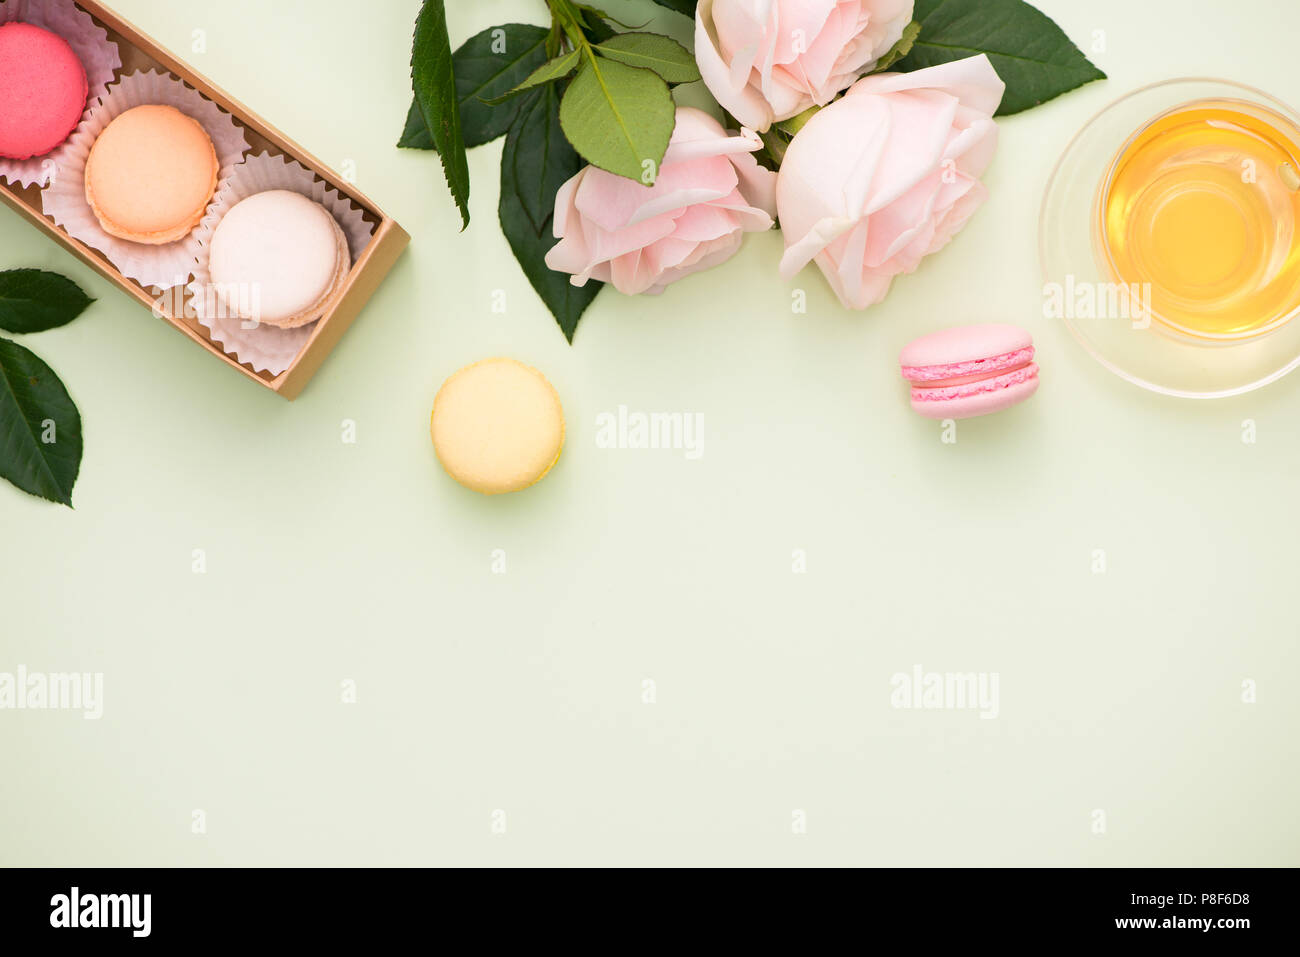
(64, 200)
(97, 53)
(265, 348)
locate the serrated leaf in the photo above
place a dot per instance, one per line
(32, 300)
(900, 49)
(541, 159)
(486, 65)
(434, 81)
(653, 51)
(1034, 57)
(594, 25)
(684, 7)
(550, 71)
(492, 62)
(415, 135)
(618, 117)
(530, 244)
(40, 427)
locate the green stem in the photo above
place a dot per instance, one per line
(554, 41)
(774, 145)
(567, 15)
(795, 123)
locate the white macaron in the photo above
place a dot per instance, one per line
(279, 258)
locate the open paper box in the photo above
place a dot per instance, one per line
(139, 52)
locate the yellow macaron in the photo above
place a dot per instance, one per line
(497, 426)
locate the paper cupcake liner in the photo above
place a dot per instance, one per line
(265, 348)
(64, 200)
(98, 54)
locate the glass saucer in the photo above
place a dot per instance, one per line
(1079, 287)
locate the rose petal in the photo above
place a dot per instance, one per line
(887, 175)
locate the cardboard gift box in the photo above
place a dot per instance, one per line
(139, 52)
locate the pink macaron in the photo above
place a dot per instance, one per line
(42, 90)
(970, 370)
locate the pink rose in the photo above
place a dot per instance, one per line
(708, 193)
(768, 60)
(888, 174)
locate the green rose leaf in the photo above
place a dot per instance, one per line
(434, 79)
(900, 49)
(594, 26)
(486, 65)
(684, 7)
(548, 72)
(1031, 53)
(40, 427)
(618, 117)
(415, 135)
(542, 159)
(32, 300)
(652, 51)
(535, 144)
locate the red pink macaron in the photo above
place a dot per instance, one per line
(43, 91)
(967, 371)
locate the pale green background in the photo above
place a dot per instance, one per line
(522, 691)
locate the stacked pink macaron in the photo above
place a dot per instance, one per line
(43, 91)
(970, 370)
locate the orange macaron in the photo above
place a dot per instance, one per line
(151, 174)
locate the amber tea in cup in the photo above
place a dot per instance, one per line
(1201, 209)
